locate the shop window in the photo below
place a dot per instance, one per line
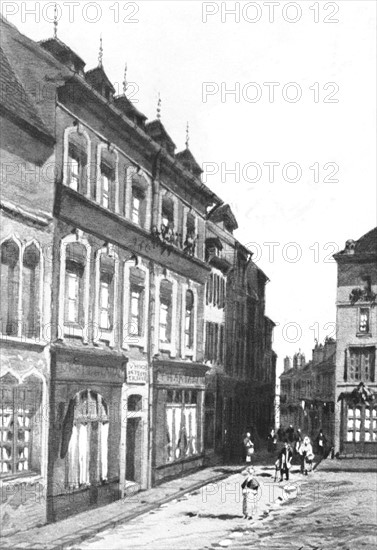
(85, 439)
(166, 308)
(189, 320)
(74, 283)
(10, 281)
(182, 424)
(137, 293)
(353, 424)
(221, 344)
(362, 364)
(364, 321)
(30, 291)
(20, 425)
(370, 424)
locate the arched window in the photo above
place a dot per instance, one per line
(85, 439)
(31, 291)
(10, 282)
(20, 425)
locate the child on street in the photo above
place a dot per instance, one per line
(250, 488)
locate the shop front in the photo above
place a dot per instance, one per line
(85, 430)
(178, 418)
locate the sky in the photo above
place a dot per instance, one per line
(298, 131)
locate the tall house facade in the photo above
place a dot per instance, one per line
(125, 296)
(356, 410)
(26, 202)
(307, 391)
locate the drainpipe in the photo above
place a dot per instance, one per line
(152, 315)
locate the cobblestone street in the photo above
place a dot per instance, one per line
(328, 509)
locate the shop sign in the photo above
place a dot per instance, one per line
(137, 372)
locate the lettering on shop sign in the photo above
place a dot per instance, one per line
(74, 372)
(137, 372)
(179, 379)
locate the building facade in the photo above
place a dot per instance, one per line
(126, 296)
(356, 410)
(307, 392)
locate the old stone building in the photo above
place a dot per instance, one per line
(307, 391)
(125, 293)
(356, 386)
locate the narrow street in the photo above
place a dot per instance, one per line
(326, 510)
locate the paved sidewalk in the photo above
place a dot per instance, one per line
(348, 465)
(77, 528)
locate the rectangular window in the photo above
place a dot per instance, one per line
(107, 178)
(72, 297)
(166, 310)
(76, 167)
(105, 304)
(135, 216)
(136, 311)
(364, 320)
(362, 364)
(164, 313)
(19, 430)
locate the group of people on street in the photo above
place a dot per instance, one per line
(295, 445)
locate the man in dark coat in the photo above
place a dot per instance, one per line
(290, 433)
(285, 460)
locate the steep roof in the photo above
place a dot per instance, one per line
(188, 160)
(157, 131)
(15, 100)
(223, 213)
(367, 244)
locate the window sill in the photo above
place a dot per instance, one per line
(25, 341)
(26, 477)
(191, 458)
(364, 334)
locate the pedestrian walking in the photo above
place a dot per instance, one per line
(280, 433)
(306, 456)
(250, 488)
(284, 461)
(321, 444)
(271, 441)
(249, 447)
(298, 439)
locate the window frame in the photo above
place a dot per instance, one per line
(80, 131)
(128, 339)
(73, 329)
(109, 334)
(165, 346)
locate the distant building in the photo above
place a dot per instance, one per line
(356, 387)
(307, 397)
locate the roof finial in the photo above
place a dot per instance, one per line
(159, 107)
(55, 21)
(100, 54)
(187, 135)
(125, 79)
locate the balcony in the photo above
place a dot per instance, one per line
(81, 212)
